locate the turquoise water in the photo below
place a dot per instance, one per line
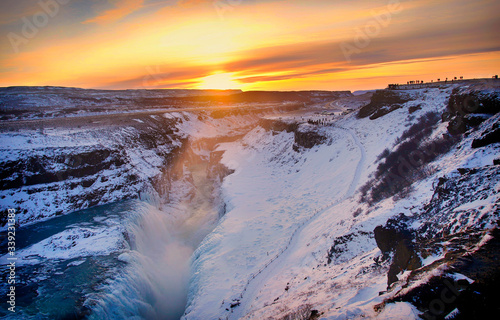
(144, 279)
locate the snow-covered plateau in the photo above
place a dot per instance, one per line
(230, 205)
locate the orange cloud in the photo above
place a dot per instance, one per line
(262, 44)
(121, 9)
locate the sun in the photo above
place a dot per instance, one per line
(219, 81)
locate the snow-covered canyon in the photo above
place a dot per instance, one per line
(317, 210)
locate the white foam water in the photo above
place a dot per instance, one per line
(153, 284)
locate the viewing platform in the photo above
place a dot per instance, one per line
(414, 85)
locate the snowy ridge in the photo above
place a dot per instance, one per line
(293, 238)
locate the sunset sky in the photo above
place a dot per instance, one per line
(246, 44)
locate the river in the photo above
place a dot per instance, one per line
(125, 260)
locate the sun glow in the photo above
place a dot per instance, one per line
(252, 45)
(219, 81)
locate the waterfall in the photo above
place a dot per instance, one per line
(153, 284)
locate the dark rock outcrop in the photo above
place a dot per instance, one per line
(35, 170)
(468, 109)
(303, 137)
(278, 125)
(382, 103)
(394, 238)
(492, 135)
(307, 139)
(477, 299)
(473, 102)
(441, 214)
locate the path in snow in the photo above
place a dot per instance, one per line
(359, 167)
(257, 280)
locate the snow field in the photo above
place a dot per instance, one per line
(267, 257)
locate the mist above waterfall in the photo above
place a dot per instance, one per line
(163, 234)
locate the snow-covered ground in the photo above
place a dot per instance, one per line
(83, 167)
(154, 237)
(295, 239)
(267, 258)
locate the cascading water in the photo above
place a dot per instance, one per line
(127, 260)
(153, 285)
(141, 273)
